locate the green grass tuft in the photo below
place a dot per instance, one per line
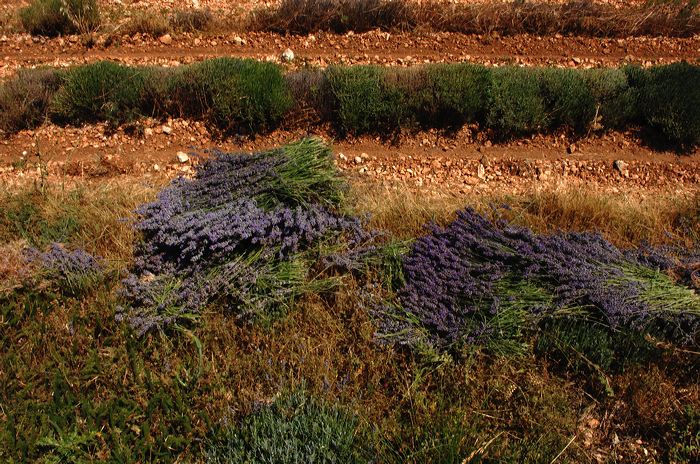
(294, 428)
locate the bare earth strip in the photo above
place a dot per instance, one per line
(372, 47)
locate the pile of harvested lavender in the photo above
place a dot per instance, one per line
(244, 232)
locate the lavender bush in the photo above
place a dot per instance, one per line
(245, 232)
(486, 282)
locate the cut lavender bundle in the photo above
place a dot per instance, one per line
(74, 271)
(241, 233)
(482, 282)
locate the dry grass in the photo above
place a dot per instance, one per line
(14, 268)
(622, 219)
(93, 379)
(146, 22)
(97, 216)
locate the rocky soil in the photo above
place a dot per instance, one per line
(426, 161)
(322, 49)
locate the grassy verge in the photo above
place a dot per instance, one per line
(80, 387)
(578, 17)
(248, 97)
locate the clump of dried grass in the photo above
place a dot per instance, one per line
(625, 221)
(15, 269)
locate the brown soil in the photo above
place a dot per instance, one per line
(372, 47)
(422, 161)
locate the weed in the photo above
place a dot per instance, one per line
(578, 17)
(191, 20)
(146, 22)
(45, 17)
(84, 15)
(306, 16)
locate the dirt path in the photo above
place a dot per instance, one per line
(426, 161)
(372, 47)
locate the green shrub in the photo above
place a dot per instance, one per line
(231, 93)
(56, 17)
(515, 106)
(45, 17)
(363, 101)
(592, 347)
(459, 93)
(568, 102)
(670, 102)
(294, 429)
(615, 100)
(24, 100)
(97, 92)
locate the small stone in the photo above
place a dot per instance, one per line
(166, 39)
(148, 132)
(288, 55)
(239, 41)
(622, 168)
(342, 156)
(358, 160)
(197, 42)
(576, 60)
(182, 157)
(571, 149)
(481, 172)
(156, 167)
(167, 130)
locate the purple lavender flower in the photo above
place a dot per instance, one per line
(241, 233)
(75, 271)
(478, 280)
